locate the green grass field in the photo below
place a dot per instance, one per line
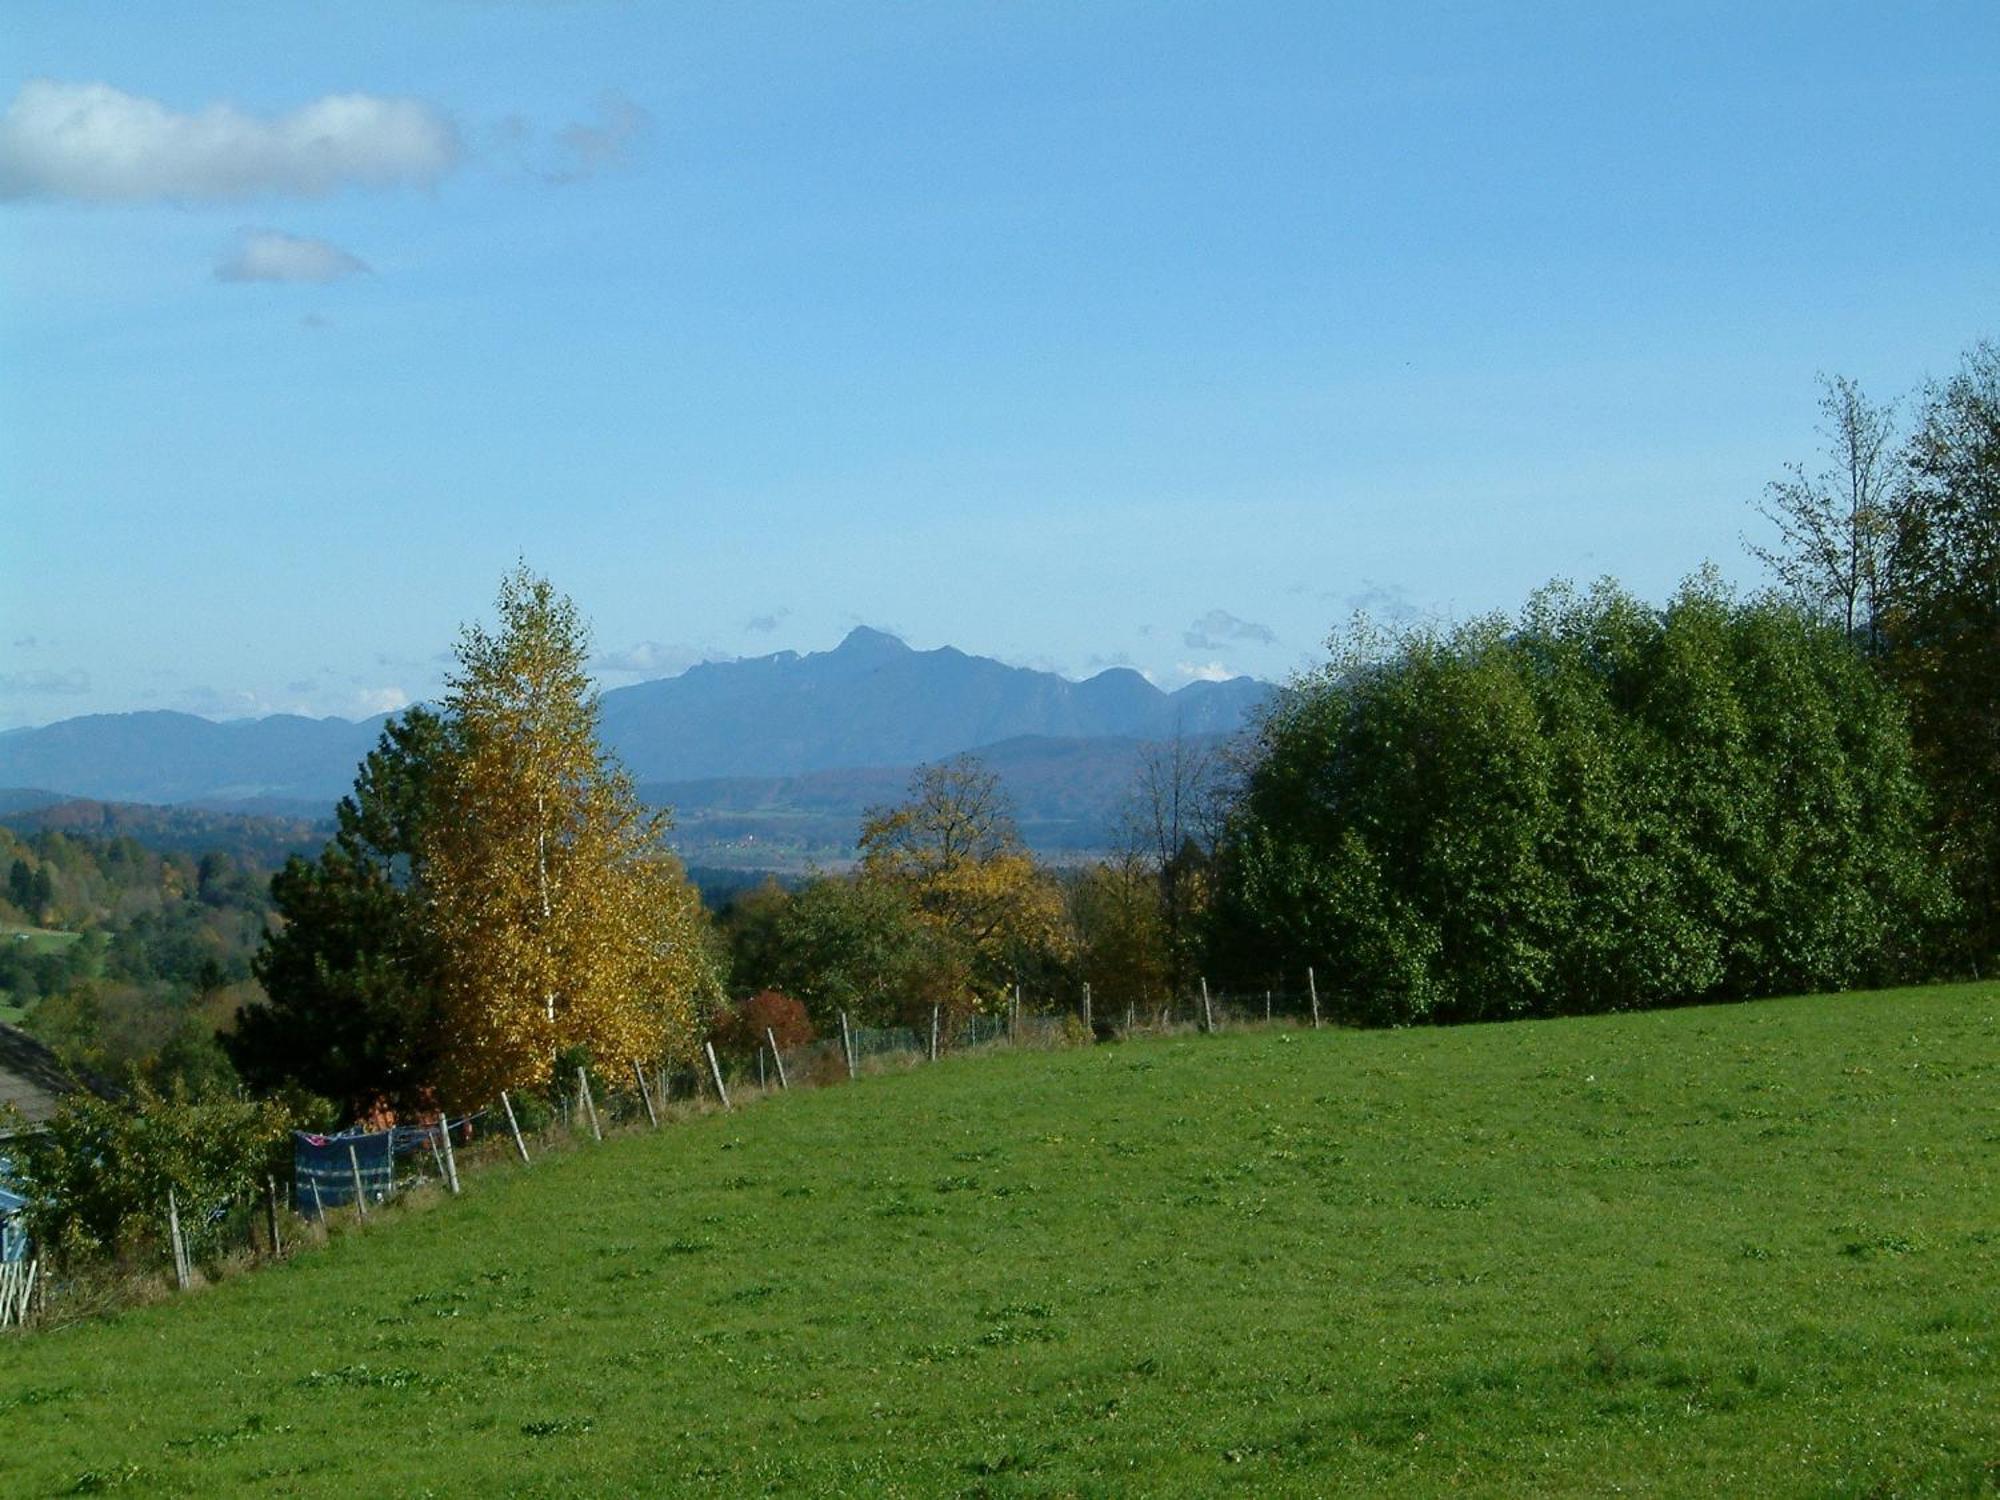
(1732, 1251)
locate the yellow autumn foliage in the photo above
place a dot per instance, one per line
(561, 918)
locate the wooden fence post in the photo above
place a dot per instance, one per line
(450, 1156)
(515, 1126)
(1267, 1005)
(937, 1013)
(1086, 1009)
(716, 1067)
(777, 1057)
(847, 1046)
(319, 1208)
(1207, 1010)
(271, 1214)
(645, 1094)
(1312, 988)
(179, 1245)
(360, 1194)
(589, 1104)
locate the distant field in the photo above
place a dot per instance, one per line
(38, 939)
(1735, 1251)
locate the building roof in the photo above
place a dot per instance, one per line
(32, 1078)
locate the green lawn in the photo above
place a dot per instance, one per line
(1730, 1251)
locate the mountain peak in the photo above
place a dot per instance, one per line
(866, 640)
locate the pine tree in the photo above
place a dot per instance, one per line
(561, 919)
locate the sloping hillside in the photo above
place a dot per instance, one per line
(1744, 1250)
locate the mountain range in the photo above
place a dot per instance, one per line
(797, 741)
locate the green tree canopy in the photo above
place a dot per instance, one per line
(1598, 806)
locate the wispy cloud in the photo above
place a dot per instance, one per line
(765, 624)
(97, 143)
(1219, 628)
(269, 255)
(44, 682)
(650, 659)
(587, 150)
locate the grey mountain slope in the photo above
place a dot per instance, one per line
(872, 701)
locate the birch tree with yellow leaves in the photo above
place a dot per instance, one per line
(561, 918)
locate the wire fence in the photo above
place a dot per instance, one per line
(345, 1175)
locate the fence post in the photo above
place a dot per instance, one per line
(437, 1151)
(360, 1195)
(645, 1095)
(515, 1126)
(271, 1214)
(1086, 1009)
(450, 1156)
(1312, 988)
(847, 1045)
(936, 1015)
(589, 1104)
(181, 1275)
(319, 1208)
(1207, 1010)
(716, 1067)
(1015, 1028)
(1267, 1005)
(779, 1058)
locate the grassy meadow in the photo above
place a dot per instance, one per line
(1737, 1250)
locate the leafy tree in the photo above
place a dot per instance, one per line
(1595, 807)
(351, 974)
(1124, 950)
(560, 918)
(1944, 627)
(951, 848)
(1839, 529)
(846, 944)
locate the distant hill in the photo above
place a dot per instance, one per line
(260, 841)
(870, 702)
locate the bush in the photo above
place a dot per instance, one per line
(740, 1028)
(1600, 806)
(96, 1179)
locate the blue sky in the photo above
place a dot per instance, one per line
(1072, 334)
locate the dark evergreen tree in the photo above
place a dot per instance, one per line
(350, 974)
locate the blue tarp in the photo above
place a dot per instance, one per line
(323, 1161)
(324, 1167)
(13, 1237)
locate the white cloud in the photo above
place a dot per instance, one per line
(94, 142)
(1202, 671)
(1219, 628)
(39, 682)
(383, 700)
(269, 255)
(653, 659)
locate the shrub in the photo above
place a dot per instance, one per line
(96, 1179)
(741, 1027)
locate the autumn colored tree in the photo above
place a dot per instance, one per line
(560, 917)
(953, 851)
